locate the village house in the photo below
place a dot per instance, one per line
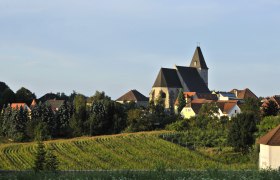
(224, 96)
(269, 157)
(192, 108)
(55, 104)
(134, 96)
(20, 105)
(244, 94)
(228, 108)
(275, 98)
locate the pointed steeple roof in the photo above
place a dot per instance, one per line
(167, 78)
(198, 59)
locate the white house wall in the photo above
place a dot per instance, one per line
(234, 111)
(269, 157)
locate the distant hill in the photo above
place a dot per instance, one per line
(137, 151)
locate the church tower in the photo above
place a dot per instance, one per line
(199, 63)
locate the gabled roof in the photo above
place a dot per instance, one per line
(192, 79)
(243, 94)
(55, 104)
(272, 138)
(198, 59)
(133, 95)
(226, 106)
(167, 78)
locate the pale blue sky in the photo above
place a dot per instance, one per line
(118, 45)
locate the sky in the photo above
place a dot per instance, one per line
(119, 45)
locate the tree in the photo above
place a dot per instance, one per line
(62, 117)
(271, 109)
(42, 122)
(25, 95)
(51, 163)
(13, 123)
(181, 101)
(8, 96)
(241, 132)
(268, 123)
(40, 157)
(139, 120)
(80, 116)
(251, 105)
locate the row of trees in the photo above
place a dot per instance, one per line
(76, 118)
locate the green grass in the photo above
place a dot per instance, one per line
(135, 151)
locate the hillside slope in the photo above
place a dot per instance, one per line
(138, 151)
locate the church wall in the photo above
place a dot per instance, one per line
(170, 98)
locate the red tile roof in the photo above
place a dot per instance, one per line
(272, 138)
(243, 94)
(226, 106)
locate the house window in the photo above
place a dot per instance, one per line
(194, 63)
(235, 111)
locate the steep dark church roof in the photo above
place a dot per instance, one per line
(133, 95)
(198, 60)
(167, 78)
(192, 79)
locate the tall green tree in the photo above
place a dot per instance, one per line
(181, 101)
(271, 109)
(251, 105)
(51, 161)
(80, 116)
(40, 157)
(62, 118)
(25, 95)
(241, 132)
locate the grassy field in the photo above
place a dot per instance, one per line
(135, 151)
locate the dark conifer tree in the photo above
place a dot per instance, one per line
(51, 161)
(181, 101)
(40, 157)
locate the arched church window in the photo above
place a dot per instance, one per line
(195, 63)
(163, 95)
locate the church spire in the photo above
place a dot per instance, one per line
(198, 59)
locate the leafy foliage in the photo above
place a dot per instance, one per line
(181, 101)
(267, 124)
(271, 109)
(241, 132)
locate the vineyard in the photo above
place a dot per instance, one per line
(135, 151)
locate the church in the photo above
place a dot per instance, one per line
(193, 78)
